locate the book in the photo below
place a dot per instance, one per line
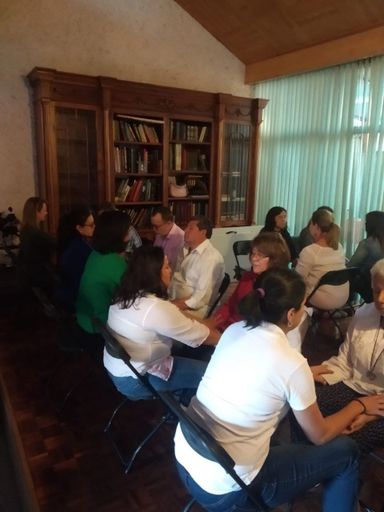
(202, 134)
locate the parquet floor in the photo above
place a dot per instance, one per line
(72, 464)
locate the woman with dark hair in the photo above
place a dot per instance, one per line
(252, 380)
(276, 221)
(103, 270)
(369, 250)
(37, 247)
(145, 322)
(75, 234)
(325, 254)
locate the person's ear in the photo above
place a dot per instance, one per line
(290, 316)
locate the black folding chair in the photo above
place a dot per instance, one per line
(114, 348)
(223, 288)
(200, 439)
(240, 248)
(335, 278)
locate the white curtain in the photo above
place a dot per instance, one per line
(322, 143)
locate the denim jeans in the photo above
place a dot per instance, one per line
(184, 381)
(289, 471)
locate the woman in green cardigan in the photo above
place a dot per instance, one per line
(104, 268)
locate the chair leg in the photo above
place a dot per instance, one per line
(73, 389)
(189, 505)
(127, 462)
(115, 411)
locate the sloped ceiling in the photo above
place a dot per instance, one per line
(280, 37)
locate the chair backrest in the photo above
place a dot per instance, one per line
(50, 310)
(206, 445)
(223, 288)
(115, 349)
(240, 248)
(335, 278)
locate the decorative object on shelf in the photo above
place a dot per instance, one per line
(178, 190)
(198, 188)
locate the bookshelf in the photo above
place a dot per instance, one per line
(190, 165)
(138, 166)
(100, 139)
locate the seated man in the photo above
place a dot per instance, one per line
(358, 369)
(168, 234)
(199, 270)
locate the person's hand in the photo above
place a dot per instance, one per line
(358, 423)
(374, 404)
(180, 303)
(318, 372)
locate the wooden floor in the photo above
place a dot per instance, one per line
(66, 461)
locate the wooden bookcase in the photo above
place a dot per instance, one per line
(138, 145)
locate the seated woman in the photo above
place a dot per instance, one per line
(145, 322)
(323, 255)
(369, 250)
(134, 241)
(103, 270)
(268, 250)
(276, 221)
(74, 246)
(358, 369)
(250, 383)
(305, 237)
(37, 248)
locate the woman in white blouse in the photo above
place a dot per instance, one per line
(323, 255)
(145, 323)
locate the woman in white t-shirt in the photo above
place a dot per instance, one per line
(252, 380)
(145, 322)
(323, 255)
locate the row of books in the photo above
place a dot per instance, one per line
(180, 130)
(135, 190)
(134, 159)
(140, 218)
(129, 131)
(183, 211)
(188, 159)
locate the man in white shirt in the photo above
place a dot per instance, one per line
(169, 235)
(199, 270)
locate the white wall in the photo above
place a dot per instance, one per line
(224, 238)
(153, 41)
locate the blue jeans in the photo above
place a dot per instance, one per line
(184, 381)
(289, 471)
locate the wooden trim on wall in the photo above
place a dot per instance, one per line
(346, 49)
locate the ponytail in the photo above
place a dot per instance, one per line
(275, 292)
(330, 231)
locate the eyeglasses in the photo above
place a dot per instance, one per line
(256, 255)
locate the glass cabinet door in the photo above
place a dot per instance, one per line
(76, 146)
(235, 173)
